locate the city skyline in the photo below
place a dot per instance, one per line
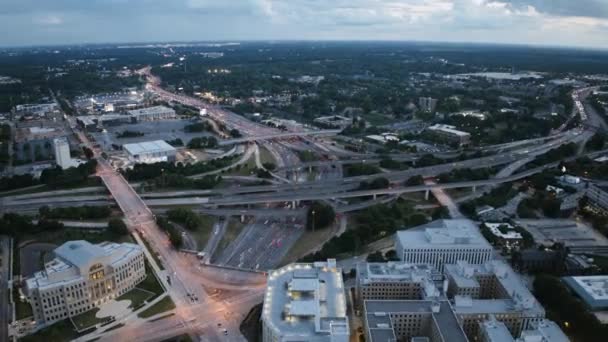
(528, 22)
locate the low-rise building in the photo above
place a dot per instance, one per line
(593, 290)
(542, 331)
(449, 134)
(598, 197)
(491, 289)
(152, 113)
(443, 242)
(427, 104)
(305, 302)
(334, 121)
(83, 276)
(150, 152)
(396, 280)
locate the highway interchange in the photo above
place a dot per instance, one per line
(191, 284)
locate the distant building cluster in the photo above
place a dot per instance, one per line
(446, 288)
(83, 276)
(92, 122)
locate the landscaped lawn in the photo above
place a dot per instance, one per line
(151, 284)
(87, 319)
(58, 332)
(154, 255)
(23, 309)
(137, 297)
(163, 305)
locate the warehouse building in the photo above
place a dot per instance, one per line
(152, 114)
(83, 276)
(150, 152)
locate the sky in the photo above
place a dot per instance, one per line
(580, 23)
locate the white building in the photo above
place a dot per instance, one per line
(305, 302)
(492, 289)
(396, 280)
(542, 331)
(150, 152)
(450, 134)
(62, 153)
(427, 104)
(152, 113)
(443, 242)
(83, 276)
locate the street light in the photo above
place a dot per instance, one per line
(313, 220)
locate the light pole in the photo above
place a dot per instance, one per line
(313, 220)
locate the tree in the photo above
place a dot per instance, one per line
(269, 166)
(117, 227)
(88, 153)
(414, 180)
(596, 143)
(319, 216)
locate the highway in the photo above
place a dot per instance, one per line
(184, 271)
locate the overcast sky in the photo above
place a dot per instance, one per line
(547, 22)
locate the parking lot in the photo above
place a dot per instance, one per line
(152, 130)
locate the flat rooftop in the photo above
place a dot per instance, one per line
(395, 271)
(569, 232)
(519, 298)
(151, 110)
(307, 302)
(592, 289)
(449, 129)
(157, 146)
(380, 322)
(446, 234)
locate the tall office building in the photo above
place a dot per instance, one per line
(443, 242)
(62, 153)
(427, 104)
(305, 302)
(83, 276)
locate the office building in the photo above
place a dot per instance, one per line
(305, 302)
(62, 153)
(443, 242)
(492, 289)
(593, 290)
(449, 134)
(411, 320)
(152, 114)
(397, 280)
(334, 121)
(150, 152)
(542, 331)
(427, 104)
(83, 276)
(598, 197)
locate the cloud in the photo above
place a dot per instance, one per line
(48, 20)
(561, 22)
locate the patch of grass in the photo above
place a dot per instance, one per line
(151, 284)
(58, 332)
(233, 230)
(137, 297)
(251, 327)
(266, 156)
(88, 320)
(245, 169)
(153, 253)
(23, 309)
(202, 233)
(307, 242)
(165, 304)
